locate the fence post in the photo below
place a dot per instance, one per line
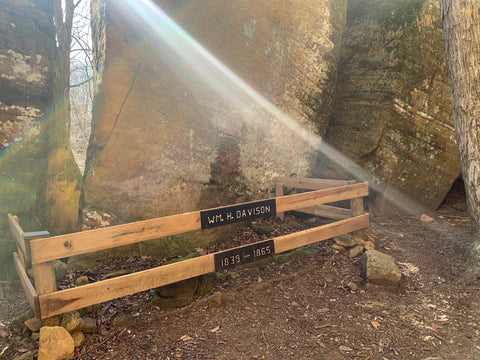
(17, 232)
(357, 207)
(280, 191)
(45, 283)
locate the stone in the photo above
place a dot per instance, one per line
(338, 248)
(90, 325)
(72, 321)
(60, 269)
(88, 272)
(216, 299)
(205, 284)
(186, 288)
(352, 286)
(34, 324)
(78, 338)
(30, 273)
(380, 268)
(359, 240)
(356, 251)
(55, 343)
(35, 336)
(346, 241)
(82, 280)
(170, 303)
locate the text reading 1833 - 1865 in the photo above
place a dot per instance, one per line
(244, 254)
(236, 213)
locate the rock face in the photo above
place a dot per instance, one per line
(39, 180)
(175, 131)
(25, 85)
(393, 110)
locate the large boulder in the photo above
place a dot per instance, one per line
(393, 112)
(175, 131)
(28, 125)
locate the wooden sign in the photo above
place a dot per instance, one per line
(236, 213)
(244, 254)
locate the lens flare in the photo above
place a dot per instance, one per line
(193, 63)
(27, 142)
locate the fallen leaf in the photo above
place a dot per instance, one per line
(426, 218)
(375, 324)
(436, 326)
(215, 329)
(185, 338)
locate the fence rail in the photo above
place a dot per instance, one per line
(41, 250)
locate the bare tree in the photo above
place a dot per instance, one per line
(63, 20)
(81, 82)
(461, 24)
(62, 190)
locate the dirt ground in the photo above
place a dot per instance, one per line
(303, 309)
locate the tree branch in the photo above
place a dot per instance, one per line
(81, 83)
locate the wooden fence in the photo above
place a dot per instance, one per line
(39, 249)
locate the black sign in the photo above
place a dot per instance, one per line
(244, 254)
(236, 213)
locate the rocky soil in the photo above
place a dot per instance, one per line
(303, 307)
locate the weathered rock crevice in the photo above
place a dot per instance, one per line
(392, 112)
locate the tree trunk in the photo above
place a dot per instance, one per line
(62, 190)
(461, 23)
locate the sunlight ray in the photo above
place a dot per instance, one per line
(185, 55)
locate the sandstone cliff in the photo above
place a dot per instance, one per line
(173, 134)
(393, 107)
(39, 181)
